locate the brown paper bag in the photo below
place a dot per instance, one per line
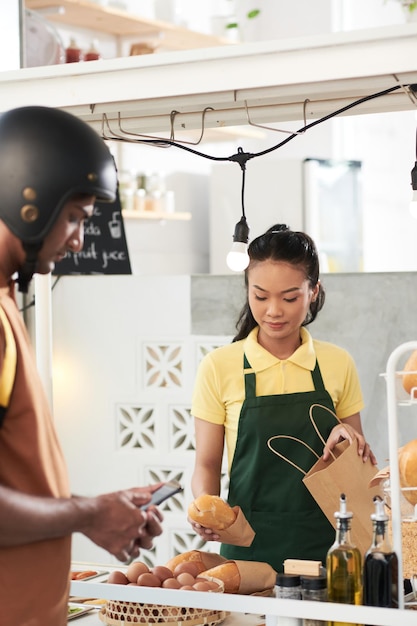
(347, 474)
(255, 577)
(240, 533)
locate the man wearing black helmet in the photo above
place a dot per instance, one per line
(52, 169)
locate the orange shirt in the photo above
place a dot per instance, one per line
(34, 578)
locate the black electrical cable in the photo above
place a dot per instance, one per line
(242, 157)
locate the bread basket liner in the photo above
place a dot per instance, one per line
(240, 533)
(137, 613)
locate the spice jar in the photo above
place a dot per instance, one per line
(288, 586)
(314, 588)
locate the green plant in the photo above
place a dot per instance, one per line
(410, 5)
(250, 15)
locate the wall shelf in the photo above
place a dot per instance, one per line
(112, 21)
(271, 79)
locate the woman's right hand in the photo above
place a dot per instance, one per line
(208, 534)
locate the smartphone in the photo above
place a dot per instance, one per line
(165, 491)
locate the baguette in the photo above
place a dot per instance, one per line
(227, 572)
(244, 577)
(202, 560)
(212, 512)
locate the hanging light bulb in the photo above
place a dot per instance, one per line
(413, 203)
(238, 259)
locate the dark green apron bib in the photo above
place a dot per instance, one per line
(287, 521)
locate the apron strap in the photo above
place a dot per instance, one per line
(317, 378)
(250, 379)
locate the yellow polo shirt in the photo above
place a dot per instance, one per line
(219, 389)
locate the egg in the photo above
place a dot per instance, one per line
(171, 583)
(135, 569)
(185, 579)
(117, 578)
(187, 588)
(190, 567)
(161, 572)
(148, 580)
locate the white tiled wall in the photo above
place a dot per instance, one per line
(124, 363)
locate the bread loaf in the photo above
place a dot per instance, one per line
(407, 459)
(227, 572)
(212, 512)
(245, 577)
(410, 380)
(203, 560)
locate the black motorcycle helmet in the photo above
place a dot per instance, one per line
(46, 156)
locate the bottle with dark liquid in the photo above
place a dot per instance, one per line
(380, 573)
(344, 564)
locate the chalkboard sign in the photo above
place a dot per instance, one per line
(105, 248)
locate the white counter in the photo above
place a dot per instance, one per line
(244, 609)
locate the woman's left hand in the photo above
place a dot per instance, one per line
(346, 431)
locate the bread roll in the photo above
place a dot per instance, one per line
(410, 380)
(203, 560)
(407, 459)
(212, 512)
(227, 572)
(245, 577)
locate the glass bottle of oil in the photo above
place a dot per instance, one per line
(380, 572)
(344, 564)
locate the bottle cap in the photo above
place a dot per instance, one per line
(314, 582)
(380, 515)
(342, 513)
(288, 580)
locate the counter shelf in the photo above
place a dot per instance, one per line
(271, 607)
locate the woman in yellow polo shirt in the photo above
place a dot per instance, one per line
(262, 386)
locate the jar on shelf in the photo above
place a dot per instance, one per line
(314, 588)
(93, 53)
(73, 53)
(127, 189)
(288, 586)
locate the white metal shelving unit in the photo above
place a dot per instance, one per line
(393, 375)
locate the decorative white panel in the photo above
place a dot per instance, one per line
(157, 432)
(136, 426)
(163, 366)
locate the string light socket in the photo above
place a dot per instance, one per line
(238, 259)
(413, 203)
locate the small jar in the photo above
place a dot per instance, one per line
(73, 53)
(92, 53)
(288, 586)
(314, 588)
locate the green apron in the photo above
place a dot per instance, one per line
(287, 521)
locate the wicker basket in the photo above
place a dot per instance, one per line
(408, 532)
(116, 613)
